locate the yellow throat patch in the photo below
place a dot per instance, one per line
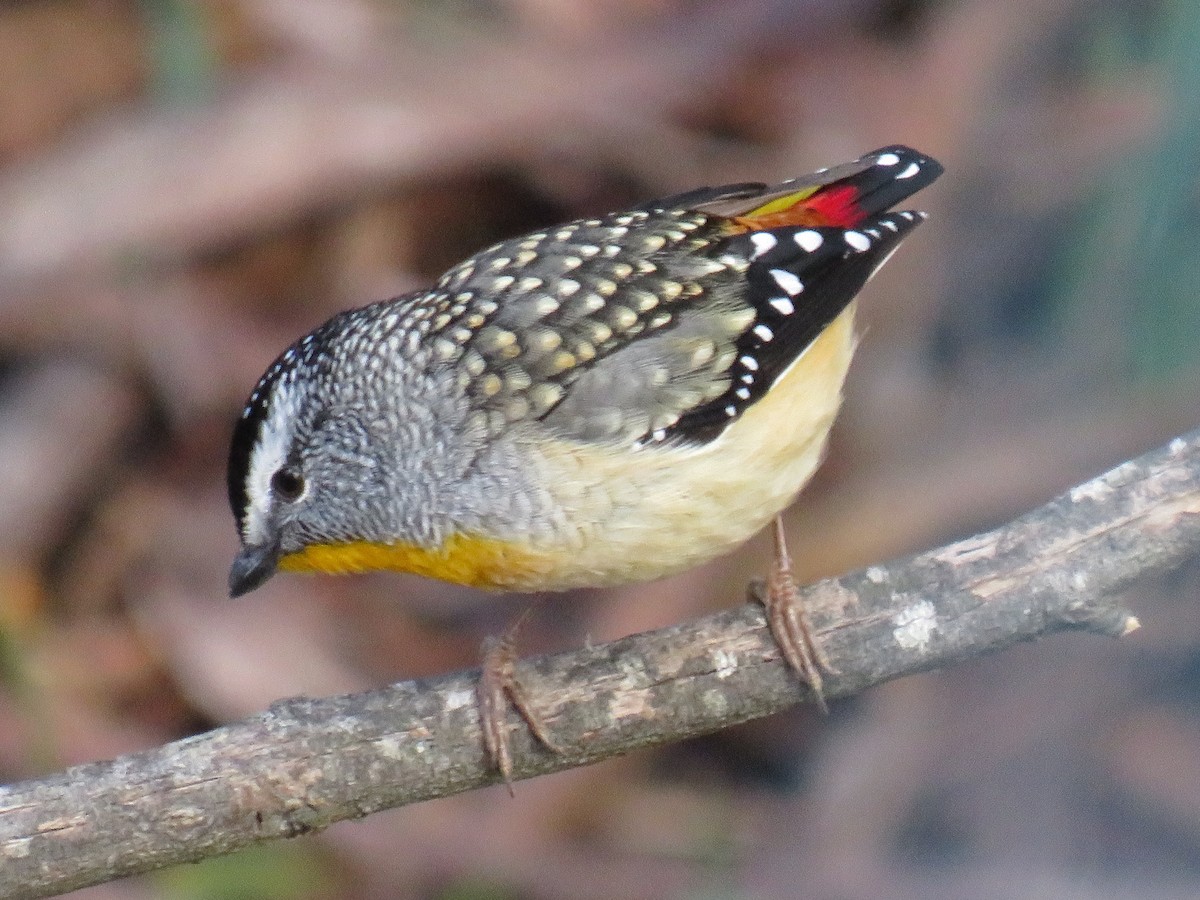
(462, 559)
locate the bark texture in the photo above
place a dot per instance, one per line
(306, 763)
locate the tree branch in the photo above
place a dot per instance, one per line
(305, 764)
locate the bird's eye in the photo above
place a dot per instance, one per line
(287, 484)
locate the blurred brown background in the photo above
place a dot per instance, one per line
(185, 187)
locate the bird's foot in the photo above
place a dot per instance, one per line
(498, 690)
(788, 619)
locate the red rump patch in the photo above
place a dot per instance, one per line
(833, 206)
(836, 206)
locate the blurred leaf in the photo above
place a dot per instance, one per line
(1134, 267)
(184, 61)
(283, 871)
(476, 889)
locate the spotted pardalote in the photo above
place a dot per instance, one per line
(604, 401)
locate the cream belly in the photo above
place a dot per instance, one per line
(629, 517)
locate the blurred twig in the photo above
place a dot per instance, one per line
(271, 148)
(305, 764)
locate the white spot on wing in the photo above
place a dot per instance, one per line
(787, 281)
(764, 333)
(763, 242)
(808, 240)
(856, 240)
(750, 363)
(887, 159)
(909, 171)
(783, 305)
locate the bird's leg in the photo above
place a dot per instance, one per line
(788, 619)
(498, 689)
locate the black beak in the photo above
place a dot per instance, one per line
(251, 568)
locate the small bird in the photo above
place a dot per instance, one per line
(606, 401)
